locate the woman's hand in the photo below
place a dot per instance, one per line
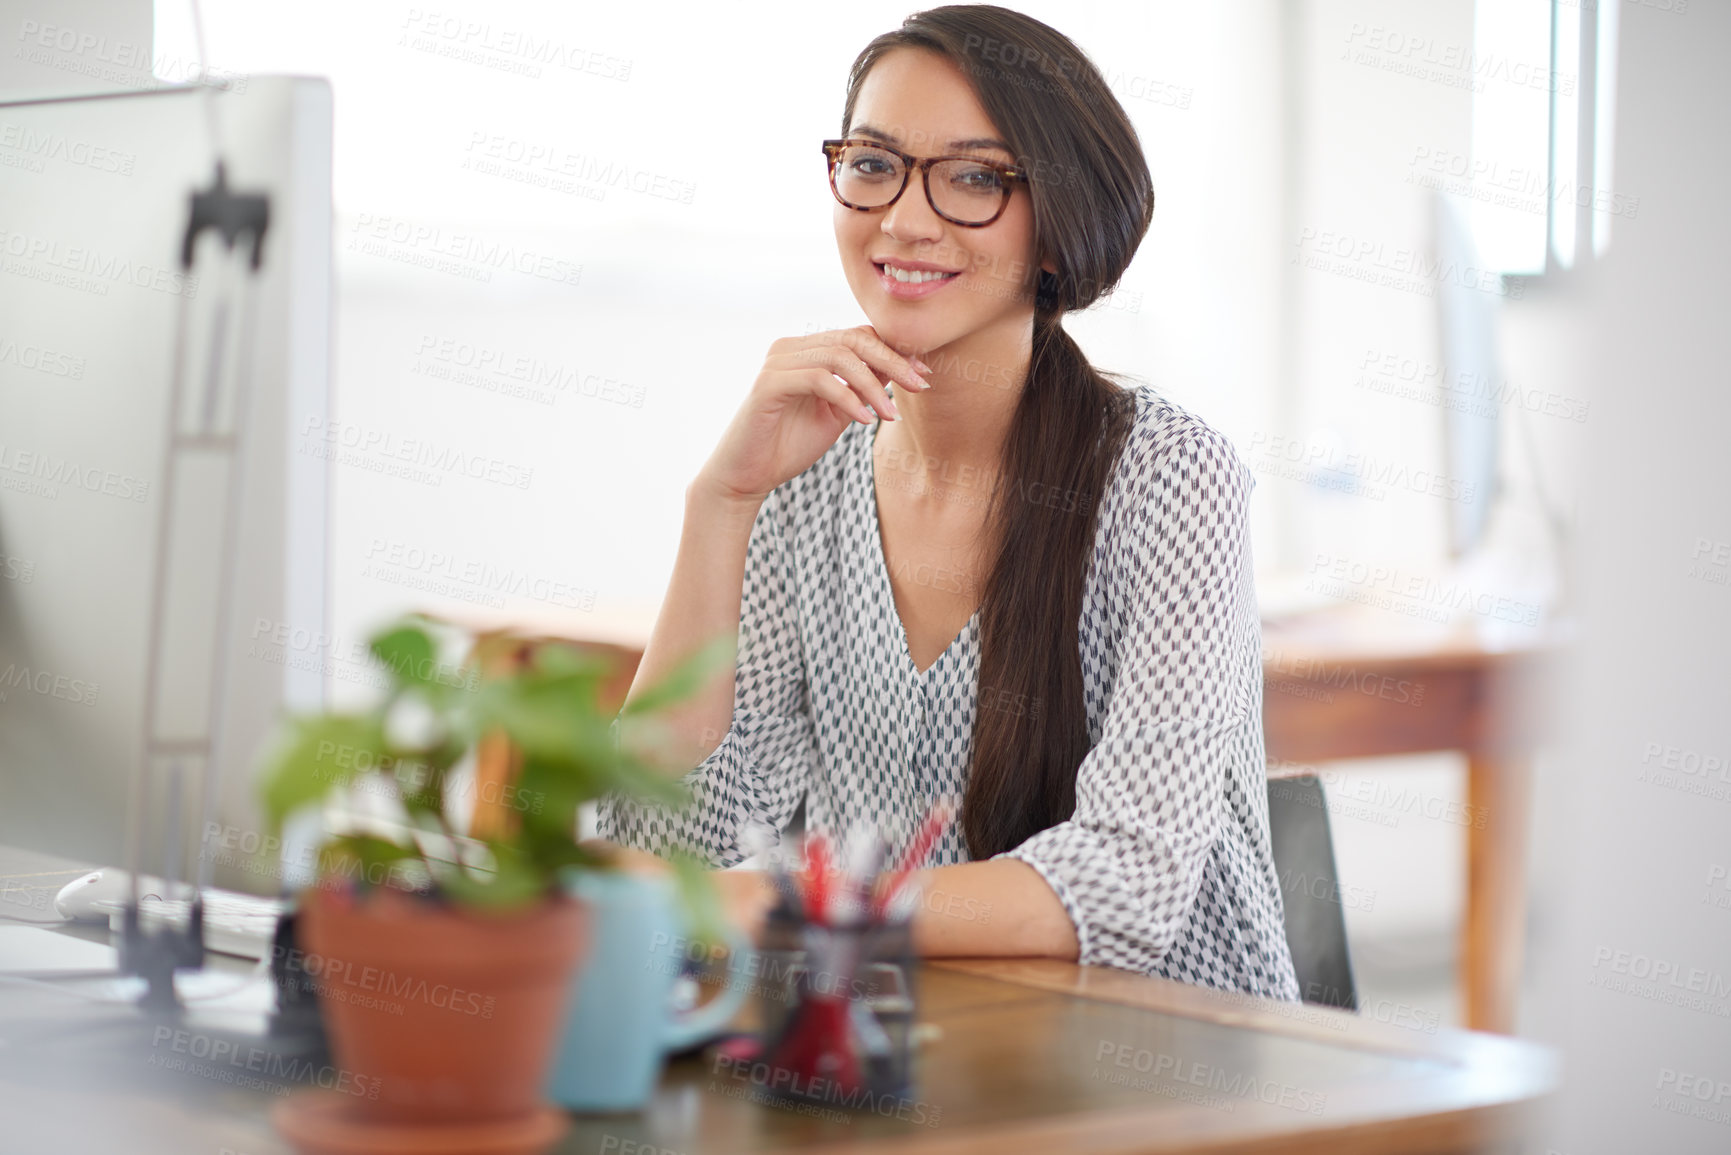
(797, 408)
(747, 897)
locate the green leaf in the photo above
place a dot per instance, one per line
(314, 755)
(365, 858)
(685, 678)
(549, 710)
(534, 728)
(635, 778)
(407, 651)
(512, 882)
(421, 787)
(560, 661)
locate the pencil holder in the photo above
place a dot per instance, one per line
(837, 1007)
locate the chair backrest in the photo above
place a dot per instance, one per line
(1310, 886)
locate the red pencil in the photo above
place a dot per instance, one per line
(817, 877)
(914, 857)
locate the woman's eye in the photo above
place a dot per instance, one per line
(979, 179)
(872, 167)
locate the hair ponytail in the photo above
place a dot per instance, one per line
(1054, 109)
(1031, 725)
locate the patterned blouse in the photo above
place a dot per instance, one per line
(1165, 866)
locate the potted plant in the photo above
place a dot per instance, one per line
(443, 958)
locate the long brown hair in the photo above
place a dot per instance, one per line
(1093, 200)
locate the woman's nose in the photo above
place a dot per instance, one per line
(912, 218)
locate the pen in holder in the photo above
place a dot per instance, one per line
(838, 994)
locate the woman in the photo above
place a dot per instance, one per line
(961, 561)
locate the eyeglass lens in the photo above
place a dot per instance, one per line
(964, 190)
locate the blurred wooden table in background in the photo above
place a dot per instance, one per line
(1347, 683)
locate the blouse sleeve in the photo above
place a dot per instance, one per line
(1151, 793)
(760, 770)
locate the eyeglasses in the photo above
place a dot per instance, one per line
(868, 176)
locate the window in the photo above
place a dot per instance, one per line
(1539, 180)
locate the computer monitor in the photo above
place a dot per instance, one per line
(96, 205)
(1472, 386)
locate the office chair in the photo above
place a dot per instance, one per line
(1310, 886)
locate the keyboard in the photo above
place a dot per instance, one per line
(238, 924)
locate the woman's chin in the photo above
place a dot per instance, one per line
(904, 337)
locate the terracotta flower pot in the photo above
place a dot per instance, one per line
(439, 1015)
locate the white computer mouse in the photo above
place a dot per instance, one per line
(78, 899)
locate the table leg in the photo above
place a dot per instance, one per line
(1497, 801)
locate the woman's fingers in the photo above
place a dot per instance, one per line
(872, 349)
(844, 363)
(794, 376)
(809, 388)
(846, 402)
(908, 370)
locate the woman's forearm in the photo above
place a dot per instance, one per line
(701, 604)
(1000, 906)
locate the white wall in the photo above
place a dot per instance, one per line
(1632, 854)
(57, 47)
(677, 301)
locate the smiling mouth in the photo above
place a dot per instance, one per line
(913, 276)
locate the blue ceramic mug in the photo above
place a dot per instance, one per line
(622, 1022)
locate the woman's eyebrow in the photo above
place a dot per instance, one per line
(892, 138)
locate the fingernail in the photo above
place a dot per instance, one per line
(920, 365)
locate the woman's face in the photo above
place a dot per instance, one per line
(921, 103)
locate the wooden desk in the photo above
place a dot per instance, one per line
(1034, 1056)
(1040, 1056)
(1354, 684)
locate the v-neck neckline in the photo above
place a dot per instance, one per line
(882, 569)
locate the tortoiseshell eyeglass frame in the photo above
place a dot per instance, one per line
(1011, 174)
